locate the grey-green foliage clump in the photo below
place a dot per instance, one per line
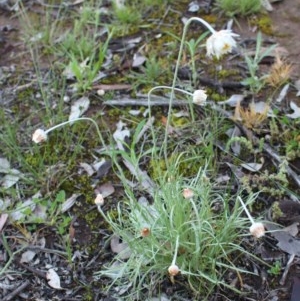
(199, 232)
(240, 7)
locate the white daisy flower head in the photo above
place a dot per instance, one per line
(257, 230)
(199, 97)
(39, 136)
(220, 43)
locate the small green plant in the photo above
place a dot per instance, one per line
(125, 14)
(254, 82)
(241, 7)
(275, 268)
(150, 74)
(180, 228)
(193, 46)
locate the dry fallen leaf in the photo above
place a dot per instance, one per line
(79, 107)
(87, 168)
(27, 256)
(121, 248)
(233, 100)
(254, 167)
(69, 202)
(106, 190)
(296, 110)
(236, 145)
(4, 165)
(120, 134)
(286, 242)
(3, 219)
(138, 60)
(53, 279)
(11, 178)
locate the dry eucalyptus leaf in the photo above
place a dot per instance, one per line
(3, 219)
(236, 145)
(286, 242)
(27, 256)
(120, 134)
(11, 179)
(296, 289)
(254, 167)
(106, 189)
(121, 248)
(233, 100)
(134, 112)
(79, 107)
(296, 110)
(261, 107)
(138, 60)
(292, 229)
(69, 202)
(181, 114)
(4, 165)
(267, 5)
(283, 93)
(53, 279)
(87, 167)
(22, 210)
(297, 86)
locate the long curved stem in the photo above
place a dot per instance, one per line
(189, 21)
(75, 120)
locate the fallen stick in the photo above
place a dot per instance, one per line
(144, 102)
(16, 292)
(162, 101)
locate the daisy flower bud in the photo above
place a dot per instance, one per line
(99, 200)
(187, 193)
(173, 270)
(220, 42)
(199, 97)
(257, 230)
(145, 232)
(39, 136)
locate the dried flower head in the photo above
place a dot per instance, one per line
(257, 230)
(39, 136)
(145, 232)
(199, 97)
(280, 72)
(187, 193)
(99, 200)
(220, 43)
(173, 270)
(252, 116)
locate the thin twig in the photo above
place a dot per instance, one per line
(164, 102)
(143, 102)
(32, 270)
(286, 270)
(16, 292)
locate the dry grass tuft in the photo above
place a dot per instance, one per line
(251, 117)
(280, 72)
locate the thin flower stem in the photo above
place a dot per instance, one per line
(186, 25)
(78, 119)
(176, 251)
(167, 87)
(246, 210)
